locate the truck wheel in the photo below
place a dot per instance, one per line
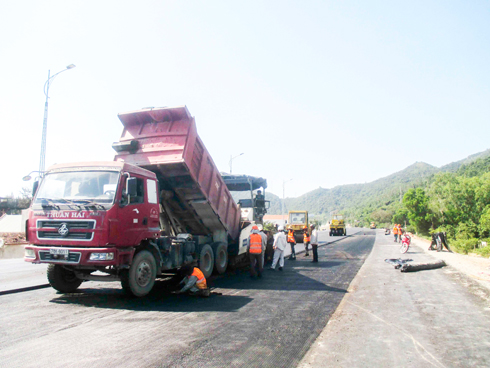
(62, 279)
(140, 278)
(299, 238)
(220, 258)
(330, 233)
(206, 260)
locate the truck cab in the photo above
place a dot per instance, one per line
(99, 209)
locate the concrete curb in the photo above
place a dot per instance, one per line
(9, 251)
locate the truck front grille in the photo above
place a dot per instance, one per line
(51, 229)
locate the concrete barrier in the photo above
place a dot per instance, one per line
(8, 251)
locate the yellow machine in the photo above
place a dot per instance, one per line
(337, 225)
(297, 220)
(373, 225)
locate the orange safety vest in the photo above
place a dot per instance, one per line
(291, 237)
(306, 238)
(201, 280)
(395, 230)
(255, 244)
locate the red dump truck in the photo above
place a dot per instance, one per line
(159, 205)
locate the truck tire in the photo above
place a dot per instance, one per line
(62, 279)
(299, 238)
(140, 278)
(220, 258)
(206, 260)
(330, 233)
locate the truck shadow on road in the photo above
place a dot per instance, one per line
(157, 301)
(297, 276)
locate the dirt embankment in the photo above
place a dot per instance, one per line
(13, 238)
(12, 245)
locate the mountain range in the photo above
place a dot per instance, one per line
(358, 200)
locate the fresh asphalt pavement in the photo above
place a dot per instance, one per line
(432, 318)
(268, 322)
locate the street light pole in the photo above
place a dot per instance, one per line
(42, 160)
(231, 160)
(282, 206)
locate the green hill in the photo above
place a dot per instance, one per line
(378, 199)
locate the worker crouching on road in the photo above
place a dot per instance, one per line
(194, 282)
(279, 246)
(256, 245)
(306, 239)
(292, 243)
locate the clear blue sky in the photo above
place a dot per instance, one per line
(321, 92)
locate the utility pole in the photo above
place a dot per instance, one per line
(42, 159)
(282, 205)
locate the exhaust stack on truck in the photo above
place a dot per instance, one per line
(159, 205)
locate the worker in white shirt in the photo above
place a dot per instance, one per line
(314, 243)
(279, 246)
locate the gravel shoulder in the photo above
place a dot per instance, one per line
(431, 318)
(477, 268)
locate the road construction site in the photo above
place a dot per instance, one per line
(352, 309)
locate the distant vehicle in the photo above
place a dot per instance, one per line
(372, 226)
(297, 220)
(337, 225)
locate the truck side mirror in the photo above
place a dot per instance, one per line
(131, 187)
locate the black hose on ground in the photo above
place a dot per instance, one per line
(422, 266)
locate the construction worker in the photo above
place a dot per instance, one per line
(194, 282)
(306, 239)
(256, 245)
(279, 246)
(395, 232)
(314, 243)
(264, 242)
(400, 233)
(292, 243)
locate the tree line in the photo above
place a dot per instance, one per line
(456, 203)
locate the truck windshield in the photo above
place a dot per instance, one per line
(297, 218)
(78, 187)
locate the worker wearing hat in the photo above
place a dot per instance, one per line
(279, 247)
(292, 243)
(256, 245)
(306, 239)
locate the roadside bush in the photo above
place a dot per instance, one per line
(411, 229)
(464, 245)
(466, 230)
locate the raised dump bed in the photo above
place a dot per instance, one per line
(193, 194)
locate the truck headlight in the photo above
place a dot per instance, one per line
(101, 256)
(29, 253)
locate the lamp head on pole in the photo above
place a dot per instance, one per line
(71, 66)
